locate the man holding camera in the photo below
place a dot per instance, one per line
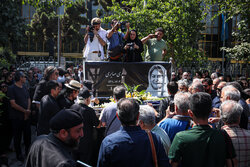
(157, 48)
(95, 39)
(115, 39)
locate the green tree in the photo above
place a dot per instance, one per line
(180, 19)
(44, 25)
(6, 57)
(241, 8)
(12, 26)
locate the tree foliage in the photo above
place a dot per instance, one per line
(44, 25)
(12, 26)
(241, 8)
(181, 21)
(6, 57)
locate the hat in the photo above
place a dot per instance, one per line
(84, 93)
(65, 119)
(73, 84)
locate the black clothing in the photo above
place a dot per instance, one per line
(19, 125)
(49, 151)
(164, 106)
(65, 119)
(21, 128)
(132, 54)
(245, 114)
(48, 108)
(41, 90)
(64, 102)
(213, 94)
(21, 96)
(85, 149)
(5, 126)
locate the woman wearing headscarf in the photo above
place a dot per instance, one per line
(133, 48)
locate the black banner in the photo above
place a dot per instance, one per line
(106, 75)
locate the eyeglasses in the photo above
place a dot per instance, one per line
(56, 73)
(205, 86)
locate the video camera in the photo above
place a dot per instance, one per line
(91, 33)
(123, 26)
(131, 46)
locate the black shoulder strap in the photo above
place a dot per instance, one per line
(107, 128)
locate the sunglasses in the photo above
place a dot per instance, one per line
(205, 86)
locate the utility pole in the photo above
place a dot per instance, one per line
(58, 38)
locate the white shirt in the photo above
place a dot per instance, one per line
(95, 45)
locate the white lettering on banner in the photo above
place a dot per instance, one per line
(113, 74)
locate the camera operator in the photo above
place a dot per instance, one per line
(115, 39)
(157, 48)
(95, 39)
(133, 48)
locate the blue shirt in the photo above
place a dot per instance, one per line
(129, 147)
(173, 126)
(216, 102)
(114, 41)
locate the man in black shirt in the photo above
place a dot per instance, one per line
(86, 146)
(69, 94)
(48, 108)
(19, 114)
(55, 149)
(172, 90)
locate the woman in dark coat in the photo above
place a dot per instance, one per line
(133, 48)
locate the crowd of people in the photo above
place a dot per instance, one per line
(203, 121)
(122, 47)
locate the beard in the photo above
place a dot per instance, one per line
(73, 143)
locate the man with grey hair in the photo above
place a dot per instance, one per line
(147, 121)
(229, 92)
(197, 87)
(214, 75)
(181, 120)
(183, 85)
(130, 146)
(216, 82)
(230, 115)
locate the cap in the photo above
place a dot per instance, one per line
(65, 119)
(73, 84)
(84, 93)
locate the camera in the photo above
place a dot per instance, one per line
(91, 33)
(131, 45)
(123, 26)
(171, 106)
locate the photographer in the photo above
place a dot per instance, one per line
(133, 48)
(115, 39)
(157, 48)
(95, 39)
